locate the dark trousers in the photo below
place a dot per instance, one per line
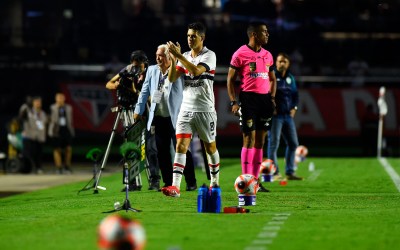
(152, 158)
(32, 151)
(165, 133)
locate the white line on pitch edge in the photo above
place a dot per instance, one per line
(271, 228)
(255, 248)
(392, 173)
(262, 242)
(276, 223)
(267, 234)
(265, 237)
(280, 218)
(282, 214)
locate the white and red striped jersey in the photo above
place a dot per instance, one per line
(198, 91)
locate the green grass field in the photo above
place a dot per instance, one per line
(344, 204)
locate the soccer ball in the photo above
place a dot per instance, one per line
(117, 232)
(267, 167)
(246, 184)
(301, 153)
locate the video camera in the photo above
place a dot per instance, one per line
(130, 76)
(125, 94)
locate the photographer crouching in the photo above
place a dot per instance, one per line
(128, 83)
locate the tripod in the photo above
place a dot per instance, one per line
(126, 115)
(130, 152)
(95, 155)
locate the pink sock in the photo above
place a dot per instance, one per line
(247, 159)
(257, 160)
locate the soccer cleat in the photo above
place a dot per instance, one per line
(171, 191)
(262, 189)
(294, 177)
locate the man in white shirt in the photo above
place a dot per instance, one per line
(197, 113)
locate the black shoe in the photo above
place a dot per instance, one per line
(67, 170)
(191, 187)
(262, 189)
(294, 177)
(155, 186)
(132, 187)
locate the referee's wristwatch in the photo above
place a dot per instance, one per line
(232, 103)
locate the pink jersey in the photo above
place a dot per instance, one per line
(253, 68)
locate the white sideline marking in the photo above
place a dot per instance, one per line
(280, 218)
(283, 214)
(275, 223)
(392, 173)
(314, 175)
(256, 248)
(271, 228)
(262, 242)
(268, 232)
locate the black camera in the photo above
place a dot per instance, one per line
(130, 77)
(130, 72)
(125, 94)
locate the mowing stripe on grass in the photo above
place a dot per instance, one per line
(392, 173)
(314, 175)
(269, 231)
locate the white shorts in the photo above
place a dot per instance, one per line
(204, 123)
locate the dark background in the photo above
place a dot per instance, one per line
(38, 35)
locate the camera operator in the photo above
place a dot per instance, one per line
(128, 83)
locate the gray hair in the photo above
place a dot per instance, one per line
(166, 50)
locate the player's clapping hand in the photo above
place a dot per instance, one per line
(174, 49)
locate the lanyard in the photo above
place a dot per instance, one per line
(161, 81)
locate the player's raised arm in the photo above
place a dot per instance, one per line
(173, 49)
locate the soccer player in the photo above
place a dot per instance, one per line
(197, 112)
(256, 102)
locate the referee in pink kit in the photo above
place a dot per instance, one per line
(256, 103)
